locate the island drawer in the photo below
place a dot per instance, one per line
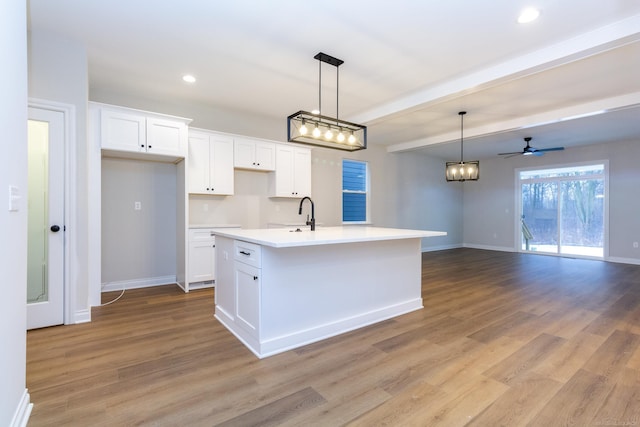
(248, 253)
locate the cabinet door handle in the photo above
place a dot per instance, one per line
(255, 277)
(213, 246)
(245, 253)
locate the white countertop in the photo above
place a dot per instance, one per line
(286, 237)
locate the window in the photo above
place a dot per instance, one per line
(563, 210)
(355, 191)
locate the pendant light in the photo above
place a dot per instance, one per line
(462, 171)
(328, 132)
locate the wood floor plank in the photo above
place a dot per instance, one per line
(622, 405)
(520, 363)
(502, 326)
(525, 399)
(504, 339)
(275, 413)
(566, 360)
(577, 402)
(612, 356)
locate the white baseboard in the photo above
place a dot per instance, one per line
(624, 260)
(23, 411)
(619, 260)
(272, 346)
(439, 248)
(82, 316)
(138, 283)
(488, 248)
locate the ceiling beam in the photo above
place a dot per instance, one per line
(600, 40)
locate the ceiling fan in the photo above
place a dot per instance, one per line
(529, 150)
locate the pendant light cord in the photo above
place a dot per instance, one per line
(319, 87)
(462, 113)
(337, 93)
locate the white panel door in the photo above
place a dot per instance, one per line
(46, 228)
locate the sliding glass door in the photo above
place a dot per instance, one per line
(563, 210)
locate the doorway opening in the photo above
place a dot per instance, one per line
(563, 210)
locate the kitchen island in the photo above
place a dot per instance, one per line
(278, 289)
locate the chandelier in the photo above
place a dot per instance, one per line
(462, 171)
(313, 128)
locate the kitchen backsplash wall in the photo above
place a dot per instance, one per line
(251, 206)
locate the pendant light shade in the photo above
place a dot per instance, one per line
(462, 171)
(324, 131)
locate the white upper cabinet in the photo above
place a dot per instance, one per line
(166, 137)
(132, 131)
(292, 177)
(254, 154)
(210, 163)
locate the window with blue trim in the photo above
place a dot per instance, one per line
(355, 191)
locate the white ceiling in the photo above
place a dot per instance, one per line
(410, 65)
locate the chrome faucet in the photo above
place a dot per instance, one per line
(311, 222)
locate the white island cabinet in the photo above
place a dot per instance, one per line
(278, 289)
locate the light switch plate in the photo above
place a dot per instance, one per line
(14, 198)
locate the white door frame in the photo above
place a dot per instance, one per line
(70, 218)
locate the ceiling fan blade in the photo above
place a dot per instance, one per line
(509, 154)
(537, 153)
(552, 149)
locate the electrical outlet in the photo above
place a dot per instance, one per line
(137, 206)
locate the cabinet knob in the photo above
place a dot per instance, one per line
(149, 146)
(142, 145)
(255, 277)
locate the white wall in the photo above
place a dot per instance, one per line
(489, 220)
(13, 245)
(58, 72)
(138, 244)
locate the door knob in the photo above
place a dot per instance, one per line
(55, 228)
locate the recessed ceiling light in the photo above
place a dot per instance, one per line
(189, 78)
(528, 15)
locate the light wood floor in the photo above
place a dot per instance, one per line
(505, 339)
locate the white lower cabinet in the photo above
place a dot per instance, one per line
(238, 295)
(202, 255)
(247, 290)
